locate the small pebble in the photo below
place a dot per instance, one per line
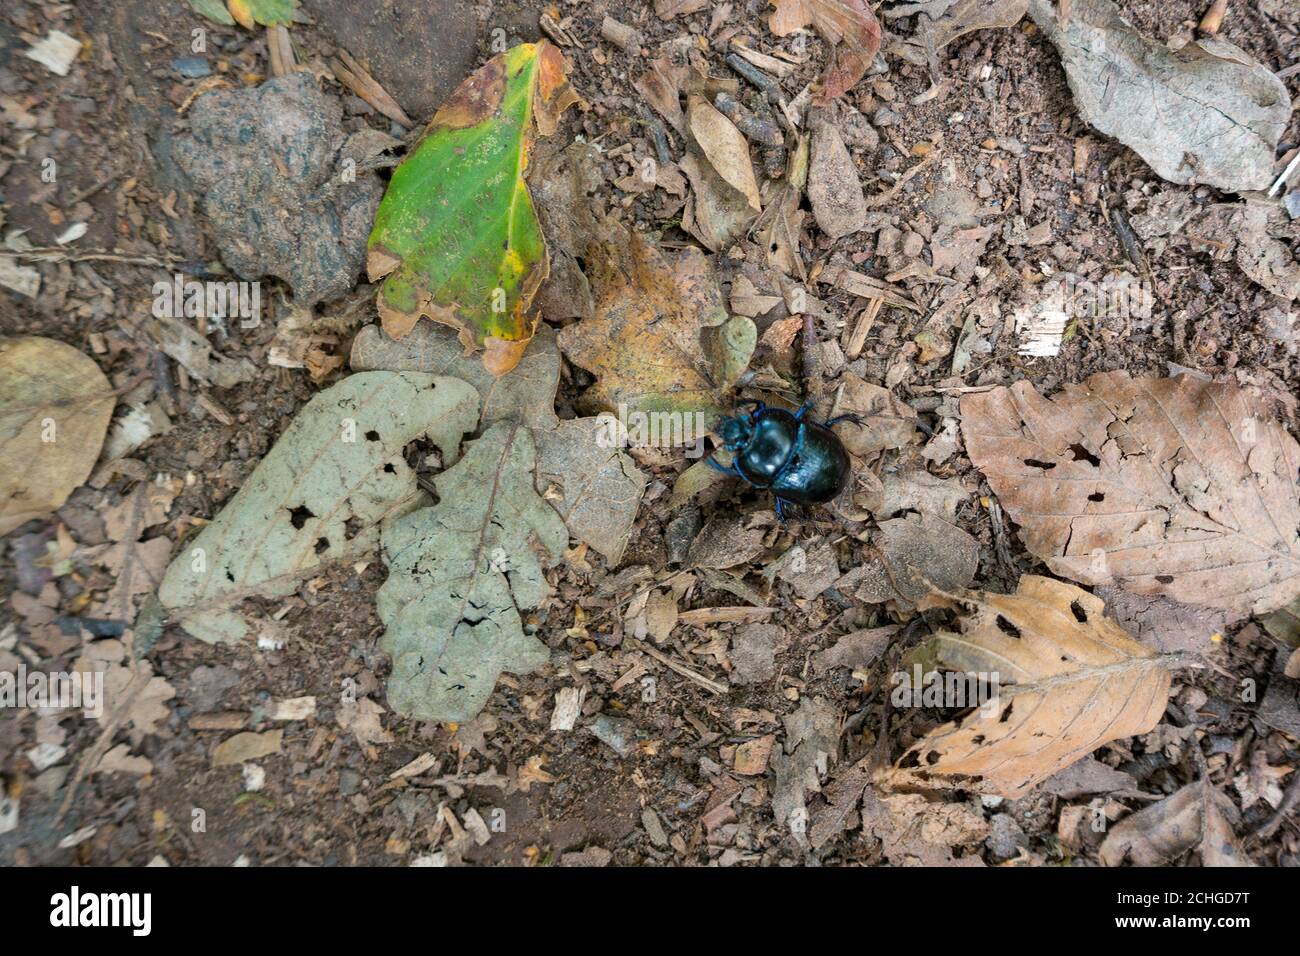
(191, 67)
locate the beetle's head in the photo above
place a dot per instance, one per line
(736, 432)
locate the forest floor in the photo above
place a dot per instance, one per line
(687, 732)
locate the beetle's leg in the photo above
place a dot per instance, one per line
(855, 419)
(758, 406)
(725, 469)
(780, 510)
(803, 410)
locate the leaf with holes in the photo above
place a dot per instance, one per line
(456, 237)
(317, 497)
(458, 574)
(1065, 679)
(1171, 486)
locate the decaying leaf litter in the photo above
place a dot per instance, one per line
(694, 682)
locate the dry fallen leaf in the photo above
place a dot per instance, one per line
(55, 406)
(1193, 117)
(318, 496)
(531, 772)
(1069, 681)
(1170, 486)
(850, 21)
(246, 746)
(360, 718)
(137, 566)
(915, 553)
(660, 339)
(1197, 816)
(883, 421)
(725, 147)
(459, 574)
(526, 393)
(589, 479)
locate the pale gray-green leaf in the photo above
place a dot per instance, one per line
(526, 393)
(458, 573)
(597, 487)
(317, 497)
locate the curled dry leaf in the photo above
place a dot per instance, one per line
(317, 497)
(966, 16)
(459, 572)
(778, 230)
(1170, 486)
(456, 237)
(1196, 817)
(1193, 117)
(884, 421)
(725, 147)
(660, 340)
(55, 406)
(715, 213)
(1069, 680)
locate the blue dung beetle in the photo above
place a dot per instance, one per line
(800, 461)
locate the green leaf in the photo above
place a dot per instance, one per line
(214, 10)
(456, 235)
(459, 572)
(317, 497)
(265, 12)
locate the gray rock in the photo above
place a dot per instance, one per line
(349, 782)
(1005, 837)
(268, 163)
(753, 653)
(617, 733)
(653, 827)
(191, 67)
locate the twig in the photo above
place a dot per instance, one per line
(682, 669)
(862, 328)
(354, 76)
(882, 199)
(1282, 180)
(59, 254)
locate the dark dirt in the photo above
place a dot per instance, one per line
(329, 798)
